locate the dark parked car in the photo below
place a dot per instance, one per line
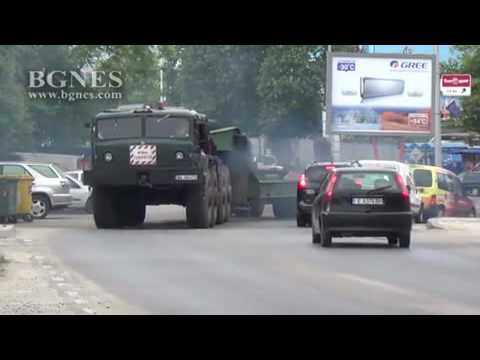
(362, 202)
(308, 185)
(471, 183)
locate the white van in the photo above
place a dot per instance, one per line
(406, 173)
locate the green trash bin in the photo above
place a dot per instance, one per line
(8, 198)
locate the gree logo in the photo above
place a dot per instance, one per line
(408, 65)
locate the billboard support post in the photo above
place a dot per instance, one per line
(436, 110)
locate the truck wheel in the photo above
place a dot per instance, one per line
(105, 214)
(89, 205)
(256, 208)
(284, 208)
(222, 196)
(213, 201)
(198, 209)
(132, 207)
(228, 212)
(40, 206)
(228, 206)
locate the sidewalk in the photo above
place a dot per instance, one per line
(446, 223)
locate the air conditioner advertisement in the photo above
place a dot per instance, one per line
(380, 94)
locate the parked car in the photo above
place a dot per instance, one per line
(76, 174)
(50, 189)
(81, 195)
(362, 202)
(471, 183)
(308, 186)
(406, 173)
(442, 192)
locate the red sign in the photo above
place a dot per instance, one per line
(456, 80)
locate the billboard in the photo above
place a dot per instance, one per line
(381, 94)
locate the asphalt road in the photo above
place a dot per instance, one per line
(266, 266)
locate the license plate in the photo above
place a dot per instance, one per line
(367, 201)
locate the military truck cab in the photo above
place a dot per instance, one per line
(143, 155)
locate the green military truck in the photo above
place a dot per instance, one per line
(143, 155)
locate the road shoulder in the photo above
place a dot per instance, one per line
(33, 281)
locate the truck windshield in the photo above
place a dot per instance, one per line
(119, 128)
(167, 127)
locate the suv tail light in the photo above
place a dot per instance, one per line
(329, 190)
(302, 182)
(329, 167)
(403, 187)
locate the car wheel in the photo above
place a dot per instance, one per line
(89, 205)
(40, 206)
(420, 218)
(302, 220)
(326, 237)
(472, 213)
(440, 211)
(404, 240)
(392, 240)
(315, 237)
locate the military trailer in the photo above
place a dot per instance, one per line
(253, 187)
(143, 155)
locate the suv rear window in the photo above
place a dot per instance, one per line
(317, 173)
(422, 178)
(45, 171)
(367, 181)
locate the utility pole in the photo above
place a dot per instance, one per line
(333, 139)
(436, 110)
(162, 97)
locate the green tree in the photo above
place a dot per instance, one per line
(468, 62)
(221, 81)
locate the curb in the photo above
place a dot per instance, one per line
(7, 231)
(472, 224)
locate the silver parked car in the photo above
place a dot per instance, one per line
(50, 188)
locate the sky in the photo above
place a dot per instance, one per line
(445, 53)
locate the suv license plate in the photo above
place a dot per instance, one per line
(367, 201)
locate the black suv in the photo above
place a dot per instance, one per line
(308, 186)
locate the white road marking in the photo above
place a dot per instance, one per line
(47, 266)
(72, 293)
(88, 311)
(39, 258)
(79, 301)
(62, 284)
(58, 278)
